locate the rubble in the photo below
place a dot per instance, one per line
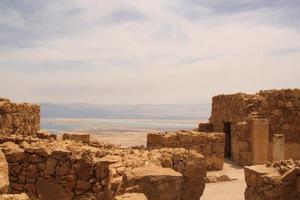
(275, 180)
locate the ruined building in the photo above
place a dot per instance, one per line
(260, 127)
(74, 167)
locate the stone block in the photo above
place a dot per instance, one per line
(78, 137)
(4, 182)
(155, 182)
(244, 146)
(48, 190)
(131, 196)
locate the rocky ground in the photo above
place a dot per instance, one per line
(227, 190)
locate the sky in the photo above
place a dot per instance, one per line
(146, 52)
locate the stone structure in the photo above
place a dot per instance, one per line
(274, 181)
(131, 196)
(211, 145)
(22, 119)
(252, 123)
(4, 182)
(78, 137)
(56, 169)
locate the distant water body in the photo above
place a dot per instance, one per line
(58, 124)
(126, 132)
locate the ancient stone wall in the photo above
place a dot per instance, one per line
(54, 169)
(57, 170)
(280, 107)
(18, 118)
(211, 145)
(277, 180)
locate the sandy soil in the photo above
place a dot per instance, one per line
(125, 139)
(231, 190)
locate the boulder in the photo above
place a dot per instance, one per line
(14, 197)
(4, 181)
(155, 182)
(12, 151)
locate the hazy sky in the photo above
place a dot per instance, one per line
(146, 51)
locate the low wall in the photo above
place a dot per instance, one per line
(51, 170)
(18, 118)
(66, 170)
(211, 145)
(277, 180)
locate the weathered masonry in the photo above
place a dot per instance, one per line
(260, 127)
(19, 118)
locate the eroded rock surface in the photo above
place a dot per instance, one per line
(277, 180)
(14, 197)
(131, 196)
(155, 182)
(4, 181)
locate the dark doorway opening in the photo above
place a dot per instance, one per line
(227, 131)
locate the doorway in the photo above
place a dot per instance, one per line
(227, 131)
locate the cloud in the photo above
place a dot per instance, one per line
(146, 51)
(125, 15)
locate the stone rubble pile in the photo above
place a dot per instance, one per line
(279, 180)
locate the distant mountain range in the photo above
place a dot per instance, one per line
(85, 110)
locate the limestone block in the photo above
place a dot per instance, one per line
(22, 196)
(131, 196)
(155, 182)
(12, 151)
(218, 147)
(244, 146)
(155, 140)
(194, 173)
(48, 190)
(78, 137)
(4, 182)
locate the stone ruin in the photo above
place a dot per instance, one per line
(260, 127)
(273, 181)
(75, 167)
(250, 129)
(19, 119)
(210, 145)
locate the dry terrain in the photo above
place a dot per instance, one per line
(230, 190)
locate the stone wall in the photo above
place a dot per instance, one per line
(211, 145)
(18, 118)
(280, 107)
(4, 182)
(274, 181)
(55, 169)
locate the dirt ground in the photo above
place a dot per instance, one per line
(231, 190)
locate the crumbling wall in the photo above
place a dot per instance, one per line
(211, 145)
(19, 118)
(277, 180)
(52, 169)
(55, 169)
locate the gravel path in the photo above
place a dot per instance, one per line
(231, 190)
